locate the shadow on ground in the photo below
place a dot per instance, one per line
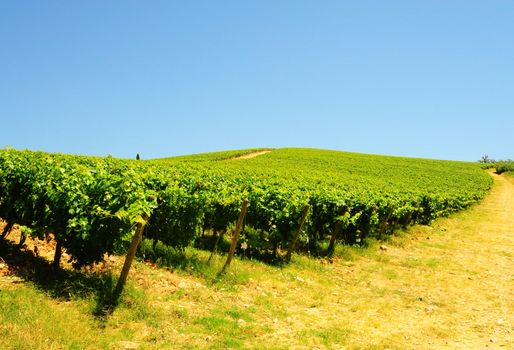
(183, 258)
(62, 284)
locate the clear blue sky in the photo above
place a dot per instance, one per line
(417, 78)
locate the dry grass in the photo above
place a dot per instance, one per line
(449, 286)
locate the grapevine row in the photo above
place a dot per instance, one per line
(91, 205)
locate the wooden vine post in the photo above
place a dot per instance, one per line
(292, 247)
(138, 235)
(219, 237)
(235, 236)
(385, 224)
(337, 232)
(7, 229)
(23, 238)
(57, 256)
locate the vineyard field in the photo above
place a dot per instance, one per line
(91, 204)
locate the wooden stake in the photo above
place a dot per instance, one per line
(23, 238)
(216, 243)
(57, 256)
(7, 229)
(292, 247)
(235, 236)
(138, 235)
(383, 228)
(337, 231)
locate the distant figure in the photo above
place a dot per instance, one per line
(137, 156)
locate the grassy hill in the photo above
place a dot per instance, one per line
(354, 171)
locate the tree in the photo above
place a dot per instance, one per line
(485, 159)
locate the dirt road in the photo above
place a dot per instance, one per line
(251, 155)
(449, 286)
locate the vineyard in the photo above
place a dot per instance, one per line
(504, 167)
(91, 205)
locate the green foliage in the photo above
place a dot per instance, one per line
(92, 204)
(504, 166)
(486, 160)
(89, 204)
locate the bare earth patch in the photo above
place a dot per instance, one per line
(450, 286)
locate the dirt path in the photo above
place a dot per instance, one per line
(465, 275)
(449, 286)
(251, 155)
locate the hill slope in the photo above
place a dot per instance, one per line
(353, 171)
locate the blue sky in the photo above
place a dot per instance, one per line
(430, 78)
